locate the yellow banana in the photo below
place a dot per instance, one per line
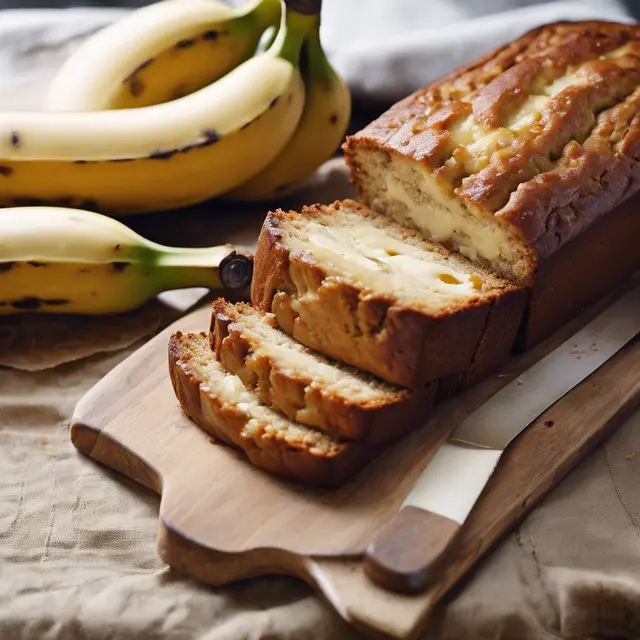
(160, 52)
(57, 260)
(163, 156)
(324, 121)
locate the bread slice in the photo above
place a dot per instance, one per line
(218, 402)
(360, 288)
(307, 387)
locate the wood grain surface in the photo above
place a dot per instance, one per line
(222, 520)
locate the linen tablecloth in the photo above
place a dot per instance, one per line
(77, 542)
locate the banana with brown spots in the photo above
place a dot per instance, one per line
(163, 156)
(324, 121)
(57, 260)
(160, 52)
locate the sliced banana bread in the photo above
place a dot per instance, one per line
(218, 402)
(526, 161)
(307, 387)
(361, 288)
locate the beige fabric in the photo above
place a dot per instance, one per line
(33, 342)
(77, 542)
(78, 554)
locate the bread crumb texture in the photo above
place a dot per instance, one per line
(261, 424)
(330, 377)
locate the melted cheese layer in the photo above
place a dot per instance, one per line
(438, 218)
(385, 264)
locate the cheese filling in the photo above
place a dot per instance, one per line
(383, 263)
(443, 220)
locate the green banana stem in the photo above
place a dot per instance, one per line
(180, 268)
(264, 13)
(293, 30)
(317, 66)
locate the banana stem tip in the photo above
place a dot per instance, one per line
(305, 7)
(236, 271)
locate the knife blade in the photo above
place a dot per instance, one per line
(453, 480)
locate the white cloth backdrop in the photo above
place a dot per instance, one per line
(384, 48)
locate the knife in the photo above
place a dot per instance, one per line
(447, 489)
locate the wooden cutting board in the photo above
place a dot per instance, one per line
(222, 520)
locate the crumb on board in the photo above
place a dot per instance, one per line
(631, 455)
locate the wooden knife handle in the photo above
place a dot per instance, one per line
(403, 555)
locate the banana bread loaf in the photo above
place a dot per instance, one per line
(367, 291)
(218, 402)
(307, 387)
(515, 158)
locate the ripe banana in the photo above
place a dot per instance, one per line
(163, 156)
(159, 53)
(57, 260)
(324, 121)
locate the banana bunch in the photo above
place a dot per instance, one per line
(180, 102)
(162, 156)
(57, 260)
(176, 54)
(251, 134)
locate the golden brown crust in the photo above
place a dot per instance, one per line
(549, 177)
(376, 333)
(381, 417)
(588, 268)
(495, 346)
(226, 422)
